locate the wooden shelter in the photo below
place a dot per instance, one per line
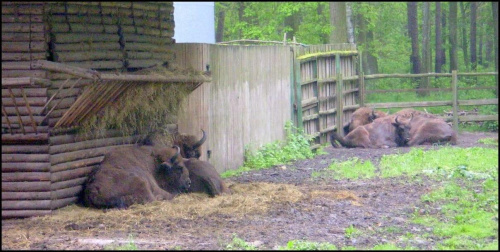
(47, 89)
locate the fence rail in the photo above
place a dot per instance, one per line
(454, 102)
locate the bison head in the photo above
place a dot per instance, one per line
(171, 168)
(402, 130)
(191, 145)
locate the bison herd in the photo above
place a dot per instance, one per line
(408, 127)
(151, 171)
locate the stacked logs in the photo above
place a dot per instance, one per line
(44, 168)
(37, 179)
(109, 37)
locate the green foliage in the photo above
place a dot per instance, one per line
(308, 245)
(351, 231)
(239, 244)
(270, 20)
(295, 147)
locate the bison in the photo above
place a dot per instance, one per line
(362, 116)
(381, 133)
(204, 178)
(426, 129)
(190, 145)
(408, 112)
(136, 174)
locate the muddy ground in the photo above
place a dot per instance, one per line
(373, 206)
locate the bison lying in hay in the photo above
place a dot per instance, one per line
(381, 133)
(190, 145)
(204, 178)
(136, 174)
(362, 116)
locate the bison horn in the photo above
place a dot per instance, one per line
(396, 120)
(202, 140)
(172, 159)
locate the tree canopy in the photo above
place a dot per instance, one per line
(380, 29)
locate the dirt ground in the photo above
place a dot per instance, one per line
(373, 206)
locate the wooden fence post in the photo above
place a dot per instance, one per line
(298, 94)
(339, 83)
(361, 81)
(454, 90)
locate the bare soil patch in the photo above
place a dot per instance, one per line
(281, 204)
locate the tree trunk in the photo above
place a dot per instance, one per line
(413, 33)
(369, 62)
(241, 11)
(452, 24)
(494, 6)
(444, 36)
(221, 16)
(439, 42)
(480, 49)
(338, 20)
(350, 26)
(473, 52)
(426, 49)
(293, 22)
(463, 25)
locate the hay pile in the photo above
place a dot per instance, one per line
(245, 199)
(143, 107)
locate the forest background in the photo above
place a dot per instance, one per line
(394, 37)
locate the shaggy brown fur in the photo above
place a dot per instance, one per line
(427, 129)
(190, 145)
(381, 133)
(204, 178)
(136, 174)
(362, 116)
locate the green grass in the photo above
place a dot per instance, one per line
(439, 162)
(239, 244)
(295, 147)
(491, 141)
(308, 245)
(129, 246)
(351, 231)
(465, 194)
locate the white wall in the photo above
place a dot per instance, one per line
(194, 22)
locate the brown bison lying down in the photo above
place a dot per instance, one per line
(427, 129)
(204, 178)
(362, 116)
(189, 144)
(136, 174)
(381, 133)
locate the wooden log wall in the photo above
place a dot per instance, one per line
(43, 170)
(39, 178)
(106, 36)
(23, 39)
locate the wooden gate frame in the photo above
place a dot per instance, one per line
(341, 110)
